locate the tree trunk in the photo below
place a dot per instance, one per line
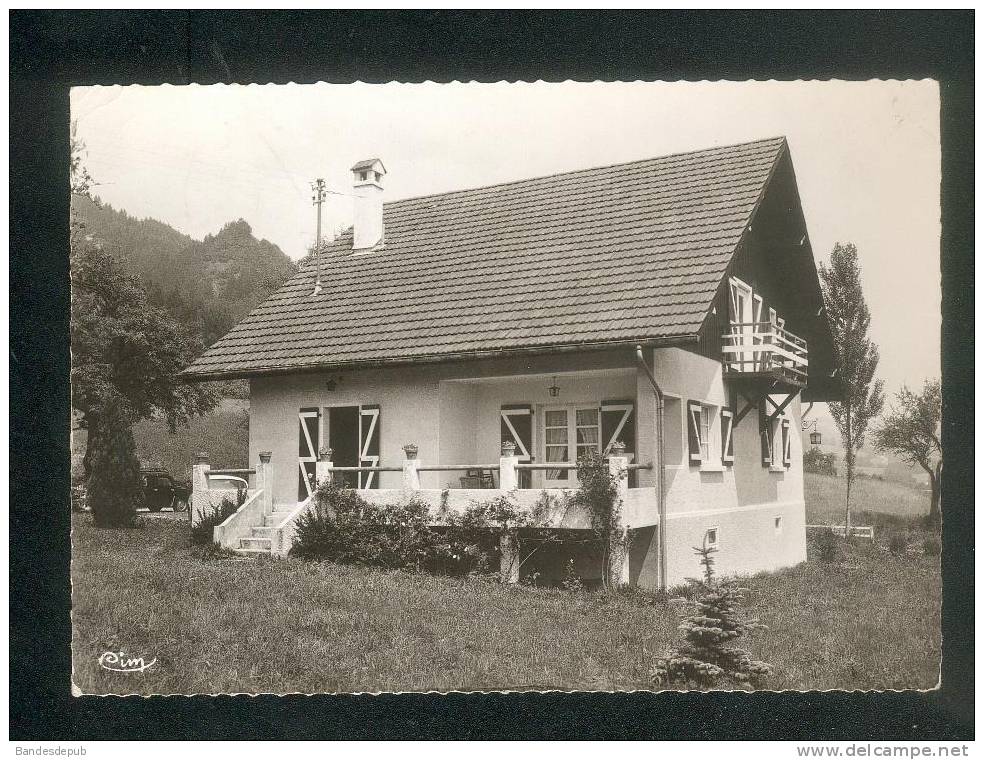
(92, 434)
(934, 496)
(849, 462)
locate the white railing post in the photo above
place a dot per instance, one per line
(199, 488)
(411, 473)
(618, 555)
(322, 469)
(508, 474)
(264, 481)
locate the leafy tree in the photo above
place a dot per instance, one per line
(125, 357)
(126, 353)
(114, 491)
(81, 181)
(912, 432)
(857, 357)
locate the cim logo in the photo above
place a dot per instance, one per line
(120, 662)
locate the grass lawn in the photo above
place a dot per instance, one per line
(246, 625)
(873, 502)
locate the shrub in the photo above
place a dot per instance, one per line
(216, 514)
(898, 544)
(114, 490)
(816, 461)
(826, 544)
(932, 547)
(342, 527)
(708, 657)
(572, 581)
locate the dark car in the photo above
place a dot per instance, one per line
(161, 490)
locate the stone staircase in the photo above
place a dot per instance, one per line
(260, 540)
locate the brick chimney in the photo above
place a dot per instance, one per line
(367, 182)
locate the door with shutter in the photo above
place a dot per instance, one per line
(369, 432)
(618, 424)
(308, 436)
(516, 425)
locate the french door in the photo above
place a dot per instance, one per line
(569, 433)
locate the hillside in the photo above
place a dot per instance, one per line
(207, 284)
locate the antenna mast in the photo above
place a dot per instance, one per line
(318, 197)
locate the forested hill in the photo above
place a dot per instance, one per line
(207, 284)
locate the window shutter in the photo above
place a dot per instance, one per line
(727, 441)
(308, 436)
(787, 458)
(765, 434)
(369, 444)
(618, 424)
(693, 430)
(516, 425)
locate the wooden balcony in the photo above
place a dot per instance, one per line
(764, 351)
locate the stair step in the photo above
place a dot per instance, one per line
(251, 552)
(275, 518)
(259, 544)
(261, 531)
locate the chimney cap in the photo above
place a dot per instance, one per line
(369, 163)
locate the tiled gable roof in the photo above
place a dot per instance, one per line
(632, 252)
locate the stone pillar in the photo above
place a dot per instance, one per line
(618, 555)
(509, 558)
(264, 481)
(411, 473)
(322, 468)
(200, 501)
(508, 474)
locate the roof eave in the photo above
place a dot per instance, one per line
(560, 348)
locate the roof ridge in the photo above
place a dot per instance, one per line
(585, 170)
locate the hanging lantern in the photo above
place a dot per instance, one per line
(815, 439)
(554, 389)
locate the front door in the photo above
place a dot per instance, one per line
(342, 437)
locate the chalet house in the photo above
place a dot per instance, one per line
(671, 305)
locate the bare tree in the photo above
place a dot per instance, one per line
(849, 318)
(912, 432)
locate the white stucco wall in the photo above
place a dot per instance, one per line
(741, 500)
(452, 413)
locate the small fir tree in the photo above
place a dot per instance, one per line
(709, 655)
(114, 490)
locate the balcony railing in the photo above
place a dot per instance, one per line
(765, 348)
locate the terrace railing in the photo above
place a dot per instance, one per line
(764, 347)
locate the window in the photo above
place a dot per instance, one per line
(569, 433)
(711, 538)
(778, 525)
(555, 441)
(703, 430)
(588, 432)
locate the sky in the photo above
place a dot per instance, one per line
(866, 156)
